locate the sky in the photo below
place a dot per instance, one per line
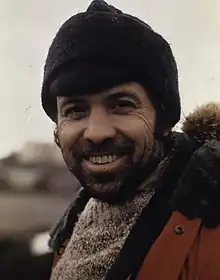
(27, 28)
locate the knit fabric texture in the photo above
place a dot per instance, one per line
(98, 237)
(104, 47)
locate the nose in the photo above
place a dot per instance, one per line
(99, 127)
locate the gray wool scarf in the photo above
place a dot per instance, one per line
(98, 237)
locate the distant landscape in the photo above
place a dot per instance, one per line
(35, 189)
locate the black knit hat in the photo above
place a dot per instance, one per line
(104, 47)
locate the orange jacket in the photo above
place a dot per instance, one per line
(185, 250)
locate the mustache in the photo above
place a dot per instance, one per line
(119, 146)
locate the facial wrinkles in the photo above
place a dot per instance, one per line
(148, 128)
(68, 135)
(62, 125)
(64, 131)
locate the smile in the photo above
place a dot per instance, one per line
(104, 163)
(103, 159)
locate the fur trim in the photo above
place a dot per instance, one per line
(203, 123)
(198, 191)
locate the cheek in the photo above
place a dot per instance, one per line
(139, 128)
(68, 133)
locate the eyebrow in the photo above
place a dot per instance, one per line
(69, 100)
(121, 94)
(109, 97)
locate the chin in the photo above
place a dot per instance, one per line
(113, 192)
(111, 189)
(106, 192)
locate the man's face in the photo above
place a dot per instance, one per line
(107, 138)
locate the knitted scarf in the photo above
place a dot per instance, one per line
(98, 237)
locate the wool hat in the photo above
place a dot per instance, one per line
(104, 47)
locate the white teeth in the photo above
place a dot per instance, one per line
(110, 159)
(99, 160)
(103, 159)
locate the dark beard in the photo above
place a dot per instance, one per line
(116, 190)
(108, 187)
(113, 190)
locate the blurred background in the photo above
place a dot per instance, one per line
(35, 187)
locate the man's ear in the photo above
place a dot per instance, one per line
(56, 137)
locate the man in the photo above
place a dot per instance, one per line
(149, 203)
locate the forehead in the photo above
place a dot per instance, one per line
(129, 90)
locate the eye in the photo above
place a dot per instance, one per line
(76, 112)
(123, 106)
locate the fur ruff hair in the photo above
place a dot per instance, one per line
(198, 191)
(203, 123)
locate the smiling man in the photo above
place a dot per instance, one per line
(108, 139)
(111, 86)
